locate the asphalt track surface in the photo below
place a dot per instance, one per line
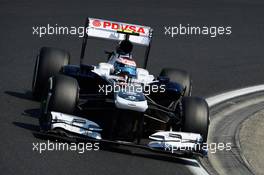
(217, 65)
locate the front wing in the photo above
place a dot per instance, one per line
(170, 142)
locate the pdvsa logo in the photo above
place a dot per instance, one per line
(96, 23)
(123, 27)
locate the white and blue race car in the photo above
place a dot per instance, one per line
(117, 101)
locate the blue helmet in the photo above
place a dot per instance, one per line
(125, 66)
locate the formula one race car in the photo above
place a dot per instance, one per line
(115, 100)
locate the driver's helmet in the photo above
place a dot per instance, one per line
(124, 47)
(125, 66)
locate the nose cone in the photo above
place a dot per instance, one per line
(134, 101)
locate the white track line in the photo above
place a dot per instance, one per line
(212, 101)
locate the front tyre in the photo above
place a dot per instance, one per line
(195, 112)
(64, 94)
(61, 96)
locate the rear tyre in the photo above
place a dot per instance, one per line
(48, 63)
(179, 76)
(195, 116)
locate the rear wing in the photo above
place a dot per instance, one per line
(105, 29)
